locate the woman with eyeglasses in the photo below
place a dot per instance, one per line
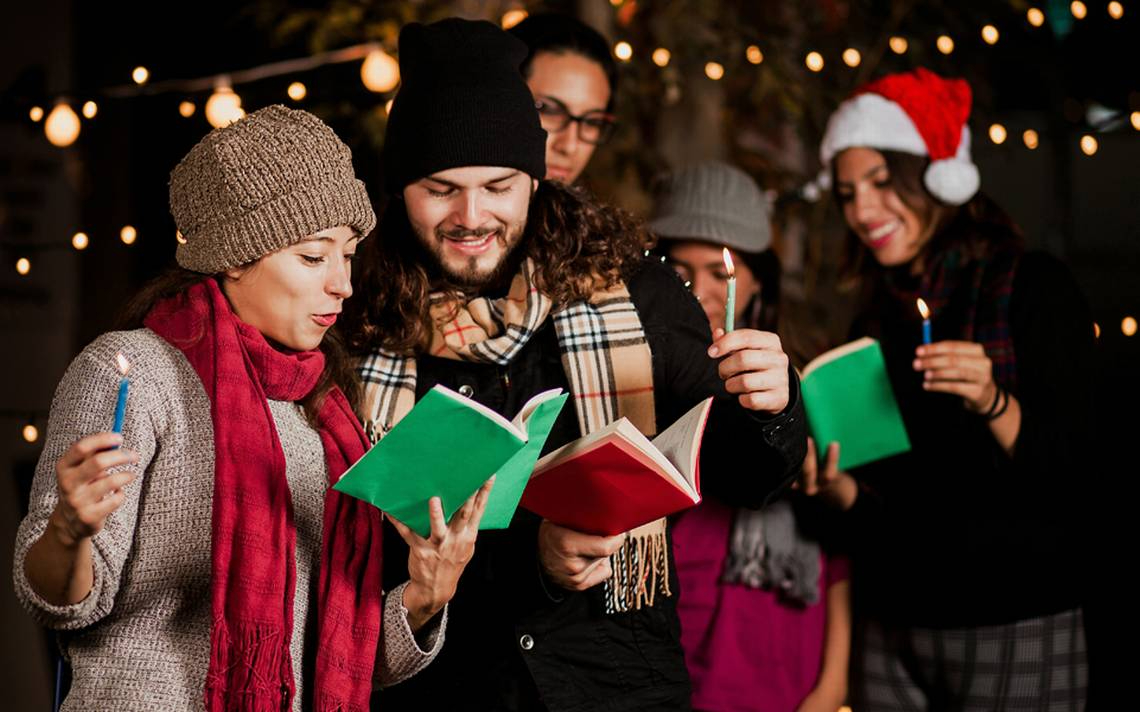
(573, 78)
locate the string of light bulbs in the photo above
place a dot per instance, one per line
(380, 73)
(623, 51)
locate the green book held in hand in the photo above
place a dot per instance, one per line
(849, 400)
(447, 446)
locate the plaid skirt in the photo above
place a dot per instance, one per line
(1034, 664)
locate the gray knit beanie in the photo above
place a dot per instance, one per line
(261, 184)
(712, 202)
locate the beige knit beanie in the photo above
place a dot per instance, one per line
(261, 184)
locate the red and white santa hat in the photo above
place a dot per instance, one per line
(915, 112)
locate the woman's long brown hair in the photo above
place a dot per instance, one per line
(338, 371)
(980, 224)
(578, 246)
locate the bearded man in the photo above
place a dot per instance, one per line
(499, 285)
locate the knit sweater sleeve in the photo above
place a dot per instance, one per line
(84, 404)
(402, 652)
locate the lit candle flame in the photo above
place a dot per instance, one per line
(923, 309)
(728, 264)
(124, 364)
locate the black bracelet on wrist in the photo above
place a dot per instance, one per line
(989, 413)
(1004, 405)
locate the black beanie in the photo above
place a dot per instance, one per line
(462, 102)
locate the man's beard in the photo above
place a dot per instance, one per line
(468, 277)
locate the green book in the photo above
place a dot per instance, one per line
(849, 400)
(447, 446)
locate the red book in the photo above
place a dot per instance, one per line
(614, 479)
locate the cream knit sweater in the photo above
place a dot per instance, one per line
(140, 640)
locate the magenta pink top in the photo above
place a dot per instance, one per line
(745, 650)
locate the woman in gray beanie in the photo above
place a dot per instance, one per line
(765, 615)
(199, 558)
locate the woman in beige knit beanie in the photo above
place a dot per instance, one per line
(200, 559)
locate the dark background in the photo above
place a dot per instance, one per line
(1084, 209)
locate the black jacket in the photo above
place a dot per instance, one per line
(515, 641)
(956, 533)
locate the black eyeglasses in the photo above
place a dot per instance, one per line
(594, 127)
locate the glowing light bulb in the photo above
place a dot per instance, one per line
(223, 107)
(380, 71)
(512, 17)
(62, 126)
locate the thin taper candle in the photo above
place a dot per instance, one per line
(730, 300)
(925, 312)
(124, 386)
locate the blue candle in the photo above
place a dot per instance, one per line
(124, 386)
(925, 312)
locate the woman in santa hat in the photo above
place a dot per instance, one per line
(967, 581)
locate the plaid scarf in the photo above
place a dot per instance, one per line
(985, 280)
(606, 358)
(253, 536)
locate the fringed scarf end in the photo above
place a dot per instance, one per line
(640, 570)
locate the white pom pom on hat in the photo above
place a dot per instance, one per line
(919, 113)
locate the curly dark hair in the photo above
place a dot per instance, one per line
(578, 246)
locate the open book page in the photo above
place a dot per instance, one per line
(521, 420)
(619, 429)
(623, 435)
(657, 462)
(680, 443)
(478, 407)
(511, 479)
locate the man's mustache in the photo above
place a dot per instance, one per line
(461, 233)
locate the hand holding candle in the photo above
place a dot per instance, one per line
(925, 312)
(124, 385)
(730, 301)
(754, 368)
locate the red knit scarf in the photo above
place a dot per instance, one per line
(253, 534)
